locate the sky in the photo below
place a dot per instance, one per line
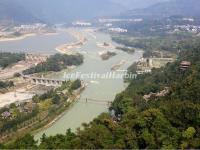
(134, 4)
(67, 10)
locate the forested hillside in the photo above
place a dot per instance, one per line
(167, 119)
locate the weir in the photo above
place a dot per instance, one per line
(43, 81)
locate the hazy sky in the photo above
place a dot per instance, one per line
(131, 4)
(67, 10)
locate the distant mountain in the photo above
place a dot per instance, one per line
(137, 4)
(12, 12)
(58, 11)
(63, 11)
(187, 8)
(55, 11)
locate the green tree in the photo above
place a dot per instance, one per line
(76, 84)
(56, 99)
(26, 142)
(189, 133)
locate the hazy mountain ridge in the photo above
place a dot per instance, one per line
(59, 11)
(11, 11)
(174, 7)
(137, 4)
(63, 11)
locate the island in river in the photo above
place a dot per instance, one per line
(80, 111)
(19, 117)
(105, 55)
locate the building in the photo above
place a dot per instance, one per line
(27, 28)
(185, 65)
(143, 66)
(6, 115)
(188, 19)
(82, 23)
(118, 30)
(108, 25)
(152, 96)
(111, 20)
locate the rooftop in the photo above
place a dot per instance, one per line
(185, 63)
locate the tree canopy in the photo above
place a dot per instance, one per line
(170, 121)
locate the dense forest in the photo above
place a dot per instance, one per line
(56, 63)
(168, 121)
(7, 59)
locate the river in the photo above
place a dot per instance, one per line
(98, 89)
(37, 44)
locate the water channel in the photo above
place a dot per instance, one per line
(98, 89)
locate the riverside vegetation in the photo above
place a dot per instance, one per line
(20, 118)
(170, 121)
(56, 63)
(162, 35)
(7, 59)
(6, 84)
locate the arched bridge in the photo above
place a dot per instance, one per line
(44, 81)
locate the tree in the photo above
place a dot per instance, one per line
(76, 84)
(156, 130)
(188, 138)
(56, 99)
(26, 142)
(56, 63)
(189, 133)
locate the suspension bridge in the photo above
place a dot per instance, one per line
(95, 101)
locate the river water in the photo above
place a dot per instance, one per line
(37, 44)
(99, 89)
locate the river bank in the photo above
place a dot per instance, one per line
(62, 112)
(99, 89)
(70, 48)
(64, 48)
(45, 118)
(21, 37)
(105, 89)
(24, 36)
(42, 120)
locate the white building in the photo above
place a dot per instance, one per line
(188, 19)
(108, 25)
(118, 30)
(81, 23)
(28, 27)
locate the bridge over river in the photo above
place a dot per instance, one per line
(95, 101)
(43, 81)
